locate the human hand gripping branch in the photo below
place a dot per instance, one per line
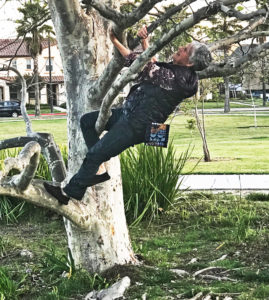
(142, 34)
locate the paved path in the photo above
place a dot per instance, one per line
(238, 182)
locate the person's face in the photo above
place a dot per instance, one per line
(181, 57)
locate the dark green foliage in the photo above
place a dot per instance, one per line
(10, 209)
(56, 265)
(9, 288)
(150, 177)
(257, 197)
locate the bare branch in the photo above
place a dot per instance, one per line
(231, 12)
(167, 15)
(237, 38)
(24, 187)
(23, 98)
(49, 149)
(235, 64)
(139, 12)
(244, 34)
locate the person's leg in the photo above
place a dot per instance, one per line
(77, 190)
(87, 125)
(116, 140)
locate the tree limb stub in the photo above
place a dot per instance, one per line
(26, 162)
(48, 148)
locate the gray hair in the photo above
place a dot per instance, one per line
(200, 56)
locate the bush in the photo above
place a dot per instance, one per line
(63, 105)
(150, 180)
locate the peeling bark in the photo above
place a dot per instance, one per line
(85, 52)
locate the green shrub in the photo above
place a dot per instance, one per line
(150, 179)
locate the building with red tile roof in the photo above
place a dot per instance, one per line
(15, 52)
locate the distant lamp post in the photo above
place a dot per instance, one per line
(50, 82)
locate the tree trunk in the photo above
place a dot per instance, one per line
(227, 95)
(201, 128)
(36, 83)
(85, 50)
(263, 83)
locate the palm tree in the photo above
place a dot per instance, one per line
(32, 28)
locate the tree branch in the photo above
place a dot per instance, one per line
(49, 149)
(234, 65)
(20, 141)
(231, 12)
(244, 34)
(237, 38)
(168, 14)
(23, 98)
(105, 11)
(26, 162)
(138, 13)
(75, 211)
(24, 187)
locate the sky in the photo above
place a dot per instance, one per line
(9, 13)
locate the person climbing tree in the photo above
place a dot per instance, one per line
(159, 89)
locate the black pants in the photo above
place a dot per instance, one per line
(119, 137)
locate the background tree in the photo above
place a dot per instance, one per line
(96, 227)
(223, 27)
(32, 29)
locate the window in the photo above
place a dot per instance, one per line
(29, 64)
(14, 63)
(48, 65)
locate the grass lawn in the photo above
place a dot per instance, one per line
(226, 233)
(15, 128)
(234, 144)
(238, 103)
